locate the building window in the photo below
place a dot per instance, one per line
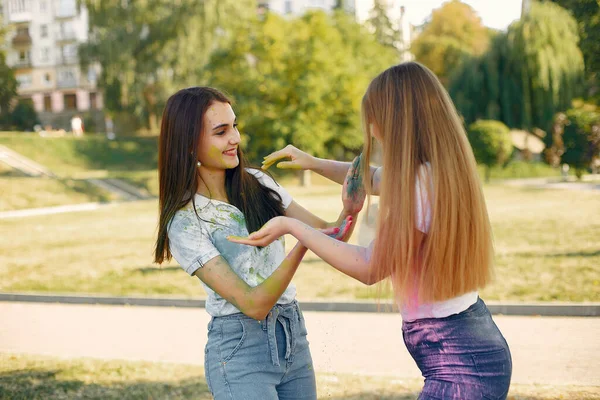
(288, 7)
(23, 31)
(66, 30)
(44, 31)
(43, 6)
(93, 101)
(18, 6)
(24, 80)
(47, 80)
(23, 56)
(45, 54)
(70, 101)
(67, 8)
(66, 78)
(47, 103)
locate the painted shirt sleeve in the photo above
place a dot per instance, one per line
(266, 180)
(190, 243)
(423, 198)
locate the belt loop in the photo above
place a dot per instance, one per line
(271, 320)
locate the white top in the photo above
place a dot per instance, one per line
(438, 309)
(194, 242)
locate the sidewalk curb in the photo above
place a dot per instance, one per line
(515, 309)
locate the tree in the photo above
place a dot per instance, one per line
(381, 25)
(23, 117)
(8, 82)
(161, 47)
(491, 143)
(587, 14)
(453, 32)
(300, 81)
(528, 74)
(576, 139)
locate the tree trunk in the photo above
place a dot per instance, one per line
(305, 178)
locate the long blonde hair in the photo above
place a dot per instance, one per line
(418, 124)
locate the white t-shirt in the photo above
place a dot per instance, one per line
(438, 309)
(194, 242)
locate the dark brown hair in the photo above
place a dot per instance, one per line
(180, 130)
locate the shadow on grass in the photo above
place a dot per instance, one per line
(127, 154)
(154, 270)
(592, 253)
(34, 384)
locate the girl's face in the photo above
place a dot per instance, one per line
(218, 148)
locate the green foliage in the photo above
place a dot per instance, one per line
(300, 81)
(491, 143)
(576, 139)
(528, 74)
(453, 32)
(161, 47)
(587, 14)
(8, 82)
(22, 118)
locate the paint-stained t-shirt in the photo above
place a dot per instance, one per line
(194, 241)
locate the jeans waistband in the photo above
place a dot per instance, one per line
(280, 312)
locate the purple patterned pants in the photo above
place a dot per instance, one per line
(463, 356)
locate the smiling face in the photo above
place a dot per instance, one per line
(218, 147)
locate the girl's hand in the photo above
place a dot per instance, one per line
(353, 191)
(299, 159)
(270, 232)
(340, 232)
(279, 226)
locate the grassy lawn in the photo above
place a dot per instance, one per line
(36, 377)
(29, 192)
(546, 241)
(78, 157)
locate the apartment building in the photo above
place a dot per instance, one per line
(41, 46)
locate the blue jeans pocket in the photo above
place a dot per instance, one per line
(233, 333)
(494, 369)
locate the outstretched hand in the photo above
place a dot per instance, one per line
(353, 191)
(297, 159)
(280, 226)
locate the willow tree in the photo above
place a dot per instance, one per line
(529, 73)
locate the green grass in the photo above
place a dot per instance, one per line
(77, 157)
(27, 192)
(546, 241)
(36, 377)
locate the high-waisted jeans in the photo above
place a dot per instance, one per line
(463, 356)
(246, 359)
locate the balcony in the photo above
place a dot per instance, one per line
(18, 17)
(66, 83)
(22, 64)
(22, 39)
(68, 36)
(67, 60)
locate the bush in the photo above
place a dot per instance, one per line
(491, 143)
(576, 138)
(22, 118)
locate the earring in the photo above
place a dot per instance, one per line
(198, 164)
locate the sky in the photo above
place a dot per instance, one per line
(497, 14)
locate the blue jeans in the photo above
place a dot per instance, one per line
(260, 360)
(463, 356)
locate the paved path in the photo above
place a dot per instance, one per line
(546, 350)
